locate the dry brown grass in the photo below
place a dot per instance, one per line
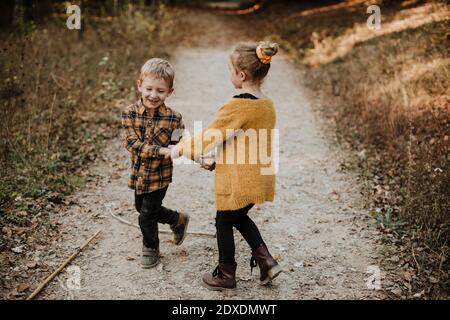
(62, 92)
(386, 93)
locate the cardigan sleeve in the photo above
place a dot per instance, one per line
(229, 118)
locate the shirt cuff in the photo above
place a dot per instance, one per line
(156, 151)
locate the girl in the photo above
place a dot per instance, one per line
(239, 184)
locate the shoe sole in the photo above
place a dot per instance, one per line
(207, 286)
(272, 274)
(185, 231)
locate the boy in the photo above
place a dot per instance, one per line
(149, 126)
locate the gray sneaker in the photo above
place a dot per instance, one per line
(150, 257)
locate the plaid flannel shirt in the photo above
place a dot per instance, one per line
(143, 136)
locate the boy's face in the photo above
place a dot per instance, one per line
(154, 91)
(236, 77)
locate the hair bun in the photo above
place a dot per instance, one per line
(268, 48)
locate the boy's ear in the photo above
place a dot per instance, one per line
(138, 84)
(170, 91)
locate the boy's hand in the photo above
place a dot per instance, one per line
(164, 152)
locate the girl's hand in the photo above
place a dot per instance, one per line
(208, 163)
(164, 152)
(174, 151)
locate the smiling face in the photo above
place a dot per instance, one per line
(154, 91)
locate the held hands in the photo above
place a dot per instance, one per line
(170, 152)
(174, 151)
(208, 162)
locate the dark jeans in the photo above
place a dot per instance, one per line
(225, 221)
(151, 212)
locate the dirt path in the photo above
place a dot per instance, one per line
(315, 227)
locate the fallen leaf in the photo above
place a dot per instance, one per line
(397, 291)
(22, 287)
(243, 278)
(419, 294)
(407, 285)
(14, 293)
(433, 280)
(184, 253)
(394, 259)
(18, 249)
(407, 275)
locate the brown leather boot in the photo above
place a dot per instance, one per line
(180, 228)
(222, 278)
(268, 267)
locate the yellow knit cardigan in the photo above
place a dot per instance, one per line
(239, 180)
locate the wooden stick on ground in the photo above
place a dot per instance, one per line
(210, 235)
(54, 274)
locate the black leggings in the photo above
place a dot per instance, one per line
(225, 221)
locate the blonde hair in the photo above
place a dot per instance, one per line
(254, 59)
(160, 68)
